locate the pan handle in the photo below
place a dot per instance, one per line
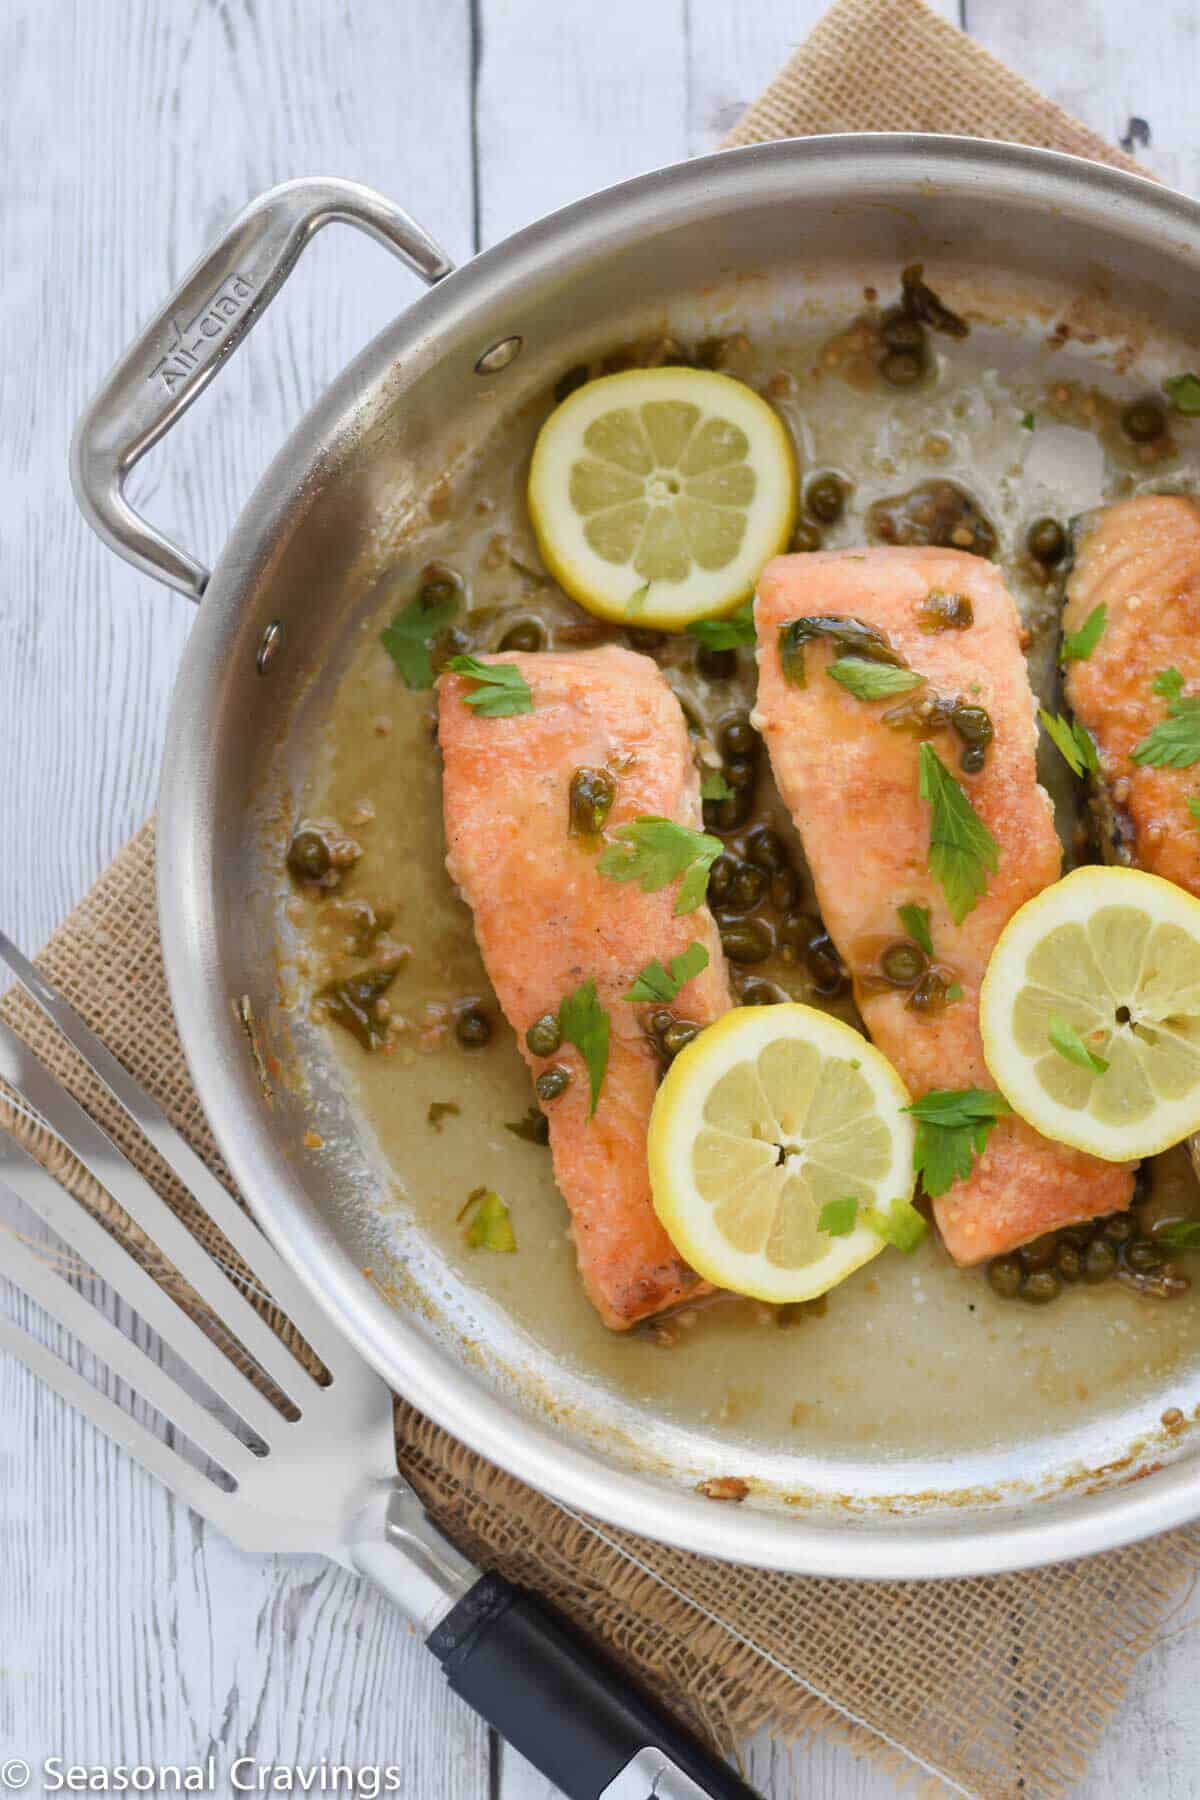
(177, 354)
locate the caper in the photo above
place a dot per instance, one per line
(681, 1032)
(308, 855)
(1046, 541)
(1039, 1254)
(806, 536)
(825, 498)
(766, 850)
(785, 889)
(1004, 1275)
(1144, 420)
(661, 1021)
(642, 638)
(727, 815)
(761, 993)
(824, 966)
(440, 589)
(568, 382)
(973, 724)
(1068, 1262)
(717, 665)
(902, 368)
(747, 887)
(739, 738)
(1142, 1255)
(1099, 1260)
(929, 993)
(1119, 1228)
(473, 1028)
(552, 1082)
(900, 331)
(1041, 1287)
(720, 877)
(799, 929)
(745, 940)
(544, 1036)
(592, 793)
(526, 634)
(903, 963)
(1080, 1235)
(973, 759)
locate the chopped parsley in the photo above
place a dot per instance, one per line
(1077, 646)
(488, 1224)
(1069, 1044)
(1073, 742)
(408, 638)
(915, 920)
(1028, 421)
(838, 1216)
(502, 692)
(654, 851)
(713, 786)
(1169, 683)
(899, 1224)
(1193, 807)
(961, 848)
(1183, 391)
(953, 1127)
(636, 603)
(954, 991)
(872, 680)
(849, 637)
(657, 983)
(1184, 1235)
(1174, 743)
(728, 633)
(583, 1022)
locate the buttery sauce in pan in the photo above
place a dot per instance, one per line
(911, 1353)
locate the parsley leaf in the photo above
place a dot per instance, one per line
(488, 1224)
(915, 920)
(961, 847)
(1068, 1043)
(1185, 1235)
(953, 1126)
(583, 1022)
(713, 786)
(654, 851)
(871, 680)
(728, 633)
(1073, 742)
(1174, 743)
(1028, 421)
(1169, 683)
(954, 991)
(657, 983)
(838, 1216)
(1193, 807)
(899, 1224)
(636, 603)
(1183, 391)
(1077, 646)
(502, 692)
(408, 638)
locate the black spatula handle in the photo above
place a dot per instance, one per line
(570, 1711)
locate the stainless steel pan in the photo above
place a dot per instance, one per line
(788, 224)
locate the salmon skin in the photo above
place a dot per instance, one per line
(1140, 559)
(851, 783)
(546, 920)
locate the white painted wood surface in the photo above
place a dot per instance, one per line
(130, 130)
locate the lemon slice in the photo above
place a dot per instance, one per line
(1112, 956)
(657, 495)
(766, 1118)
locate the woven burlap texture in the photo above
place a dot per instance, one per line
(994, 1687)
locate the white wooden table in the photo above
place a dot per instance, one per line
(130, 131)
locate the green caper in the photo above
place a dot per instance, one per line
(767, 850)
(1099, 1260)
(727, 815)
(1119, 1228)
(472, 1027)
(1046, 541)
(973, 724)
(681, 1032)
(1042, 1286)
(1142, 1255)
(745, 940)
(903, 963)
(799, 929)
(720, 877)
(643, 639)
(942, 611)
(824, 966)
(592, 793)
(825, 498)
(902, 368)
(785, 889)
(739, 773)
(552, 1082)
(747, 887)
(308, 855)
(440, 588)
(544, 1036)
(1039, 1254)
(900, 331)
(1080, 1235)
(805, 537)
(739, 738)
(761, 993)
(568, 382)
(717, 665)
(929, 993)
(1004, 1275)
(526, 634)
(1068, 1261)
(1144, 420)
(973, 759)
(661, 1021)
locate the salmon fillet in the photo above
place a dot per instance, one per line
(1141, 560)
(851, 783)
(547, 920)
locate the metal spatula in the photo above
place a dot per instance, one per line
(317, 1470)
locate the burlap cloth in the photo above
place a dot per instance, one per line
(994, 1687)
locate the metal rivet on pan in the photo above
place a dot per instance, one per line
(499, 356)
(268, 649)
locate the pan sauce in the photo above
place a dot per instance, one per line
(910, 1354)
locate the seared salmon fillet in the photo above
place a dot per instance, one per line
(851, 783)
(547, 921)
(1140, 559)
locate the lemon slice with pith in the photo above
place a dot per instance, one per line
(1107, 959)
(657, 495)
(769, 1122)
